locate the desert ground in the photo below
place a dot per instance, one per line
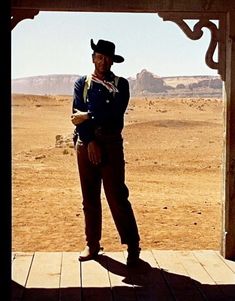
(173, 153)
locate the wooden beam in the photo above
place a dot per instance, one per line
(228, 237)
(126, 5)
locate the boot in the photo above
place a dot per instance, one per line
(133, 256)
(90, 252)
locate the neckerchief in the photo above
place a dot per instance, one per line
(108, 85)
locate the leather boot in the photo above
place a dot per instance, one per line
(89, 253)
(133, 255)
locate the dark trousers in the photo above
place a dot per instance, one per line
(110, 172)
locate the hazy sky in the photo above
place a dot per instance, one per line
(59, 43)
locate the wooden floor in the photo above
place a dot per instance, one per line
(161, 275)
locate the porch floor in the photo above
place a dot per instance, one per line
(161, 275)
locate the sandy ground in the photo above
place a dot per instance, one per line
(173, 151)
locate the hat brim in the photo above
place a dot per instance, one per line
(116, 58)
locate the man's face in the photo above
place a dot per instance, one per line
(102, 62)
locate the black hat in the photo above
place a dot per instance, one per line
(106, 48)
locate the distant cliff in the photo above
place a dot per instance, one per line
(58, 84)
(145, 84)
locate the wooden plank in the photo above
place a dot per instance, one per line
(95, 282)
(229, 263)
(20, 271)
(216, 268)
(219, 272)
(44, 278)
(180, 284)
(70, 282)
(202, 279)
(120, 282)
(193, 267)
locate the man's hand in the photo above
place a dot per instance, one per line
(78, 117)
(94, 152)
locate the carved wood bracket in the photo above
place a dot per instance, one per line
(18, 15)
(218, 34)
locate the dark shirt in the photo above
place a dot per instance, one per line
(106, 109)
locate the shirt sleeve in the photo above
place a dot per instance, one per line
(85, 130)
(78, 101)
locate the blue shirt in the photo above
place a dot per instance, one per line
(105, 108)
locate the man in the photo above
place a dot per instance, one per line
(99, 104)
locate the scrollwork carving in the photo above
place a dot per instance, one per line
(217, 37)
(18, 15)
(197, 33)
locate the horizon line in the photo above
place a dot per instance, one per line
(130, 77)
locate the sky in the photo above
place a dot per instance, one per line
(59, 43)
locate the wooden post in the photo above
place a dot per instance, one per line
(228, 228)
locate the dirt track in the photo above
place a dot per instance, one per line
(173, 151)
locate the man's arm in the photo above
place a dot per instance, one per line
(80, 118)
(79, 113)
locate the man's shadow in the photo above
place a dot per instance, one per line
(158, 284)
(138, 275)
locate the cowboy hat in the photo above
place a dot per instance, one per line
(106, 48)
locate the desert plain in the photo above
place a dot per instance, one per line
(173, 152)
